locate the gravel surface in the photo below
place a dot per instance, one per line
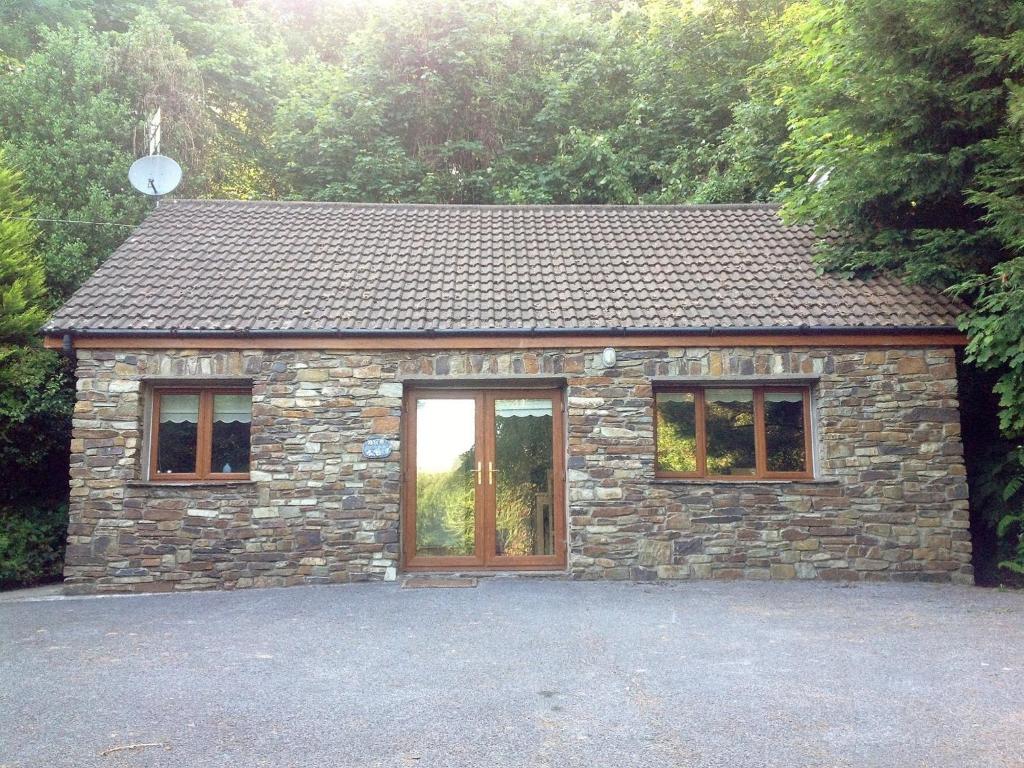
(517, 672)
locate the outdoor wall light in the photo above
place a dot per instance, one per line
(608, 357)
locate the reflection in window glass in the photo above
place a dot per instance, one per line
(677, 432)
(729, 424)
(179, 427)
(784, 431)
(445, 479)
(232, 421)
(524, 477)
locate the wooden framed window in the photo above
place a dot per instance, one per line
(733, 433)
(200, 434)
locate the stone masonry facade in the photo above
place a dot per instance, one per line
(889, 501)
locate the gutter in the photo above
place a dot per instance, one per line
(70, 333)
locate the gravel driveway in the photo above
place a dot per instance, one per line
(518, 672)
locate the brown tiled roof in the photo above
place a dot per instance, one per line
(228, 266)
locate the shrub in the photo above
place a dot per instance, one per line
(32, 545)
(37, 396)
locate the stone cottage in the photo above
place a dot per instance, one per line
(284, 393)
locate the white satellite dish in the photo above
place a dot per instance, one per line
(155, 175)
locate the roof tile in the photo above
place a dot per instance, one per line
(205, 265)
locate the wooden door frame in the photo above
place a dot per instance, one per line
(507, 562)
(485, 524)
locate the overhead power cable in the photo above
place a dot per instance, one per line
(68, 221)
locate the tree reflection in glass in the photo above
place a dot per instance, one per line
(677, 432)
(729, 422)
(524, 490)
(445, 483)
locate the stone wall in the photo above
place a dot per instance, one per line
(890, 501)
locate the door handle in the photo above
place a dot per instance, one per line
(490, 472)
(479, 472)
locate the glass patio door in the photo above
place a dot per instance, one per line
(484, 480)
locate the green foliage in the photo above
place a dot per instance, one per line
(523, 458)
(687, 100)
(23, 23)
(437, 101)
(446, 500)
(1011, 527)
(1002, 487)
(35, 397)
(415, 106)
(730, 437)
(893, 101)
(513, 518)
(996, 329)
(72, 120)
(69, 133)
(903, 136)
(446, 508)
(22, 280)
(677, 435)
(998, 491)
(472, 102)
(36, 401)
(996, 320)
(35, 405)
(32, 545)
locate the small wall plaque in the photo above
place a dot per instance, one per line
(376, 448)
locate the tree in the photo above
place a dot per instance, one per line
(22, 283)
(415, 106)
(35, 399)
(72, 120)
(892, 102)
(22, 23)
(903, 123)
(691, 64)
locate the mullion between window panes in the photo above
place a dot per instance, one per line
(808, 438)
(702, 447)
(204, 450)
(760, 435)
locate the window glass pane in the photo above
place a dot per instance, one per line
(784, 431)
(524, 515)
(179, 426)
(677, 432)
(445, 480)
(232, 417)
(729, 422)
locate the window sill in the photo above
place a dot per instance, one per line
(738, 481)
(188, 483)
